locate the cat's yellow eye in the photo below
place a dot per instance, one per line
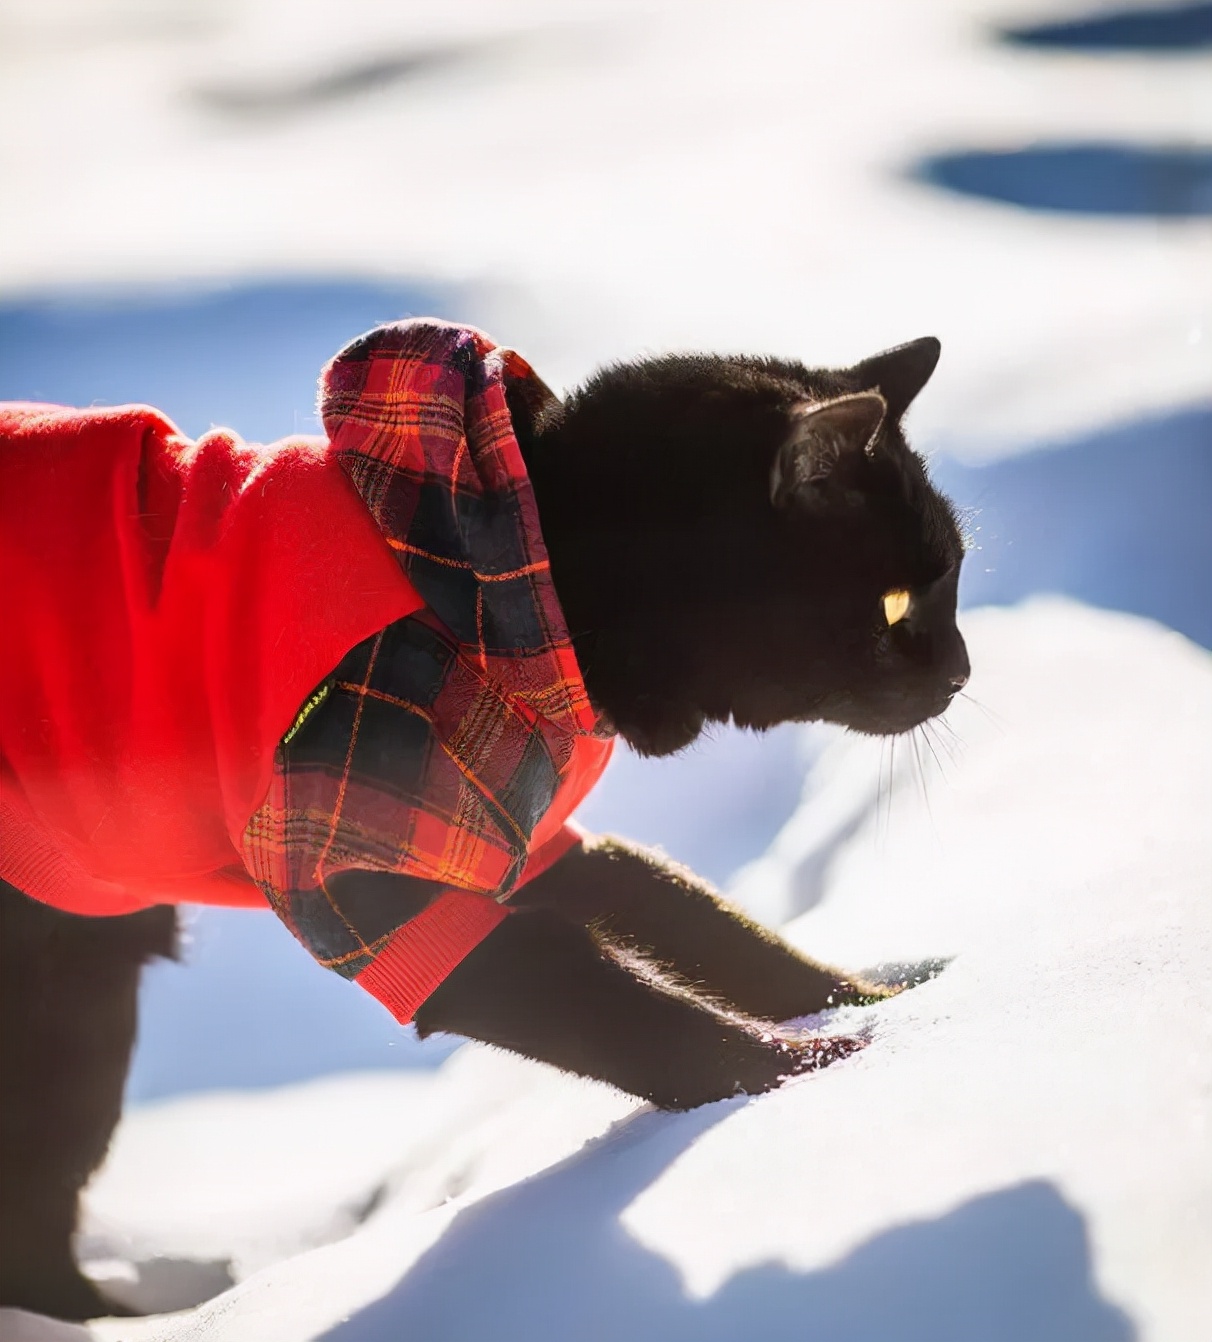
(896, 605)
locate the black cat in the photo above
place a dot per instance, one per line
(731, 539)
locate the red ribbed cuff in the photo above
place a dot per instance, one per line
(425, 950)
(422, 952)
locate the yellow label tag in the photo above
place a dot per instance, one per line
(308, 709)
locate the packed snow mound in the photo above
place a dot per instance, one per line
(1022, 1152)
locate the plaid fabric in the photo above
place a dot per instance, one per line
(449, 748)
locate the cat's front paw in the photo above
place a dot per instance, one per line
(746, 1061)
(793, 1057)
(884, 981)
(856, 991)
(817, 1051)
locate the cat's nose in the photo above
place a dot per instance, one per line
(957, 668)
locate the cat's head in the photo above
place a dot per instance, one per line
(747, 539)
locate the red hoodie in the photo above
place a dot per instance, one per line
(169, 607)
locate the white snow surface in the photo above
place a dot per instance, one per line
(1021, 1152)
(642, 175)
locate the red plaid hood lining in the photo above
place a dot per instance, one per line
(416, 416)
(423, 403)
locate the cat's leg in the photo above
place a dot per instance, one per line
(668, 913)
(545, 987)
(68, 990)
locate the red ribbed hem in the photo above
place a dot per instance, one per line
(425, 950)
(33, 862)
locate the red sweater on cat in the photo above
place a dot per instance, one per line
(170, 605)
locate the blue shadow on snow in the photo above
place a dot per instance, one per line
(245, 356)
(548, 1257)
(1156, 28)
(1173, 182)
(1116, 518)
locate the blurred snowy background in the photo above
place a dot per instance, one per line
(203, 199)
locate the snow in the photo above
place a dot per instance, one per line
(627, 176)
(1022, 1150)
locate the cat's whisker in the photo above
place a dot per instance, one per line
(994, 717)
(921, 775)
(946, 724)
(938, 764)
(883, 796)
(879, 788)
(956, 747)
(952, 742)
(891, 787)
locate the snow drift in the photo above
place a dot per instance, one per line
(1022, 1152)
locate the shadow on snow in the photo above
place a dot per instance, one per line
(550, 1258)
(1157, 28)
(1116, 518)
(1172, 182)
(244, 355)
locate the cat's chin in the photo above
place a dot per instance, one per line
(662, 732)
(881, 724)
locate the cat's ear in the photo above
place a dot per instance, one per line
(899, 374)
(824, 456)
